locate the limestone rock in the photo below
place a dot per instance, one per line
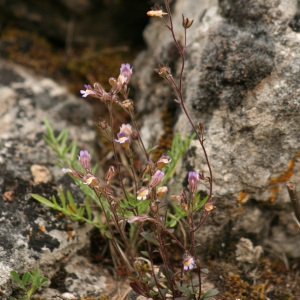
(242, 82)
(31, 235)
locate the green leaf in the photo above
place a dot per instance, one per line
(25, 279)
(43, 200)
(43, 281)
(53, 198)
(15, 276)
(142, 206)
(185, 290)
(178, 148)
(145, 253)
(62, 199)
(107, 234)
(153, 293)
(36, 273)
(71, 207)
(210, 293)
(200, 203)
(149, 237)
(88, 208)
(50, 132)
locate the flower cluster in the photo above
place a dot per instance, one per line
(144, 192)
(134, 196)
(124, 136)
(119, 85)
(151, 176)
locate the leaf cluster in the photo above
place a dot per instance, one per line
(29, 283)
(69, 208)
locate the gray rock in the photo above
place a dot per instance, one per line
(75, 22)
(31, 235)
(242, 82)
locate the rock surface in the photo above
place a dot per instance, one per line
(31, 235)
(242, 82)
(77, 22)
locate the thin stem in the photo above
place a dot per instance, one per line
(109, 106)
(165, 258)
(178, 90)
(202, 220)
(152, 264)
(139, 136)
(133, 173)
(112, 234)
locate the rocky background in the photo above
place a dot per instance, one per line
(241, 81)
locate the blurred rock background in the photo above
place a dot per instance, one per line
(242, 82)
(74, 41)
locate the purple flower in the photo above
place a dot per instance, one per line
(89, 91)
(85, 159)
(156, 178)
(125, 73)
(188, 263)
(164, 160)
(123, 138)
(91, 181)
(193, 179)
(126, 128)
(142, 193)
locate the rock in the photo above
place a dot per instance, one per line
(241, 81)
(246, 253)
(32, 235)
(77, 23)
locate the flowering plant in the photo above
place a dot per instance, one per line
(131, 197)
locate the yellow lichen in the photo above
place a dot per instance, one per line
(282, 178)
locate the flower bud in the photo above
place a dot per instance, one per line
(74, 173)
(164, 71)
(164, 160)
(156, 178)
(156, 13)
(175, 197)
(85, 160)
(193, 179)
(186, 22)
(128, 104)
(184, 207)
(135, 135)
(161, 191)
(112, 81)
(154, 207)
(103, 125)
(201, 128)
(209, 207)
(92, 181)
(138, 264)
(99, 89)
(109, 174)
